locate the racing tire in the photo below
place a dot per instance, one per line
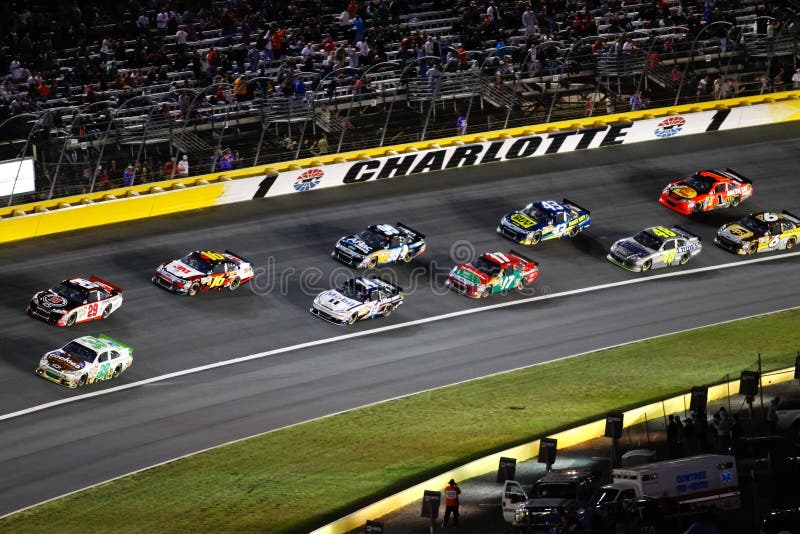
(536, 238)
(106, 312)
(520, 286)
(735, 201)
(408, 257)
(387, 311)
(353, 319)
(697, 207)
(71, 319)
(486, 292)
(116, 372)
(235, 283)
(790, 243)
(82, 381)
(193, 289)
(646, 266)
(752, 248)
(573, 231)
(684, 259)
(373, 262)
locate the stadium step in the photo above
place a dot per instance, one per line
(189, 142)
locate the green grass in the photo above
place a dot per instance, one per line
(299, 478)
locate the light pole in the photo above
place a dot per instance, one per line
(566, 64)
(691, 56)
(775, 44)
(353, 97)
(434, 94)
(394, 97)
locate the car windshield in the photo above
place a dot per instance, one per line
(486, 266)
(352, 290)
(567, 490)
(373, 240)
(69, 292)
(536, 214)
(754, 225)
(197, 263)
(701, 184)
(648, 240)
(74, 348)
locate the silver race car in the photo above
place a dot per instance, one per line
(357, 299)
(655, 247)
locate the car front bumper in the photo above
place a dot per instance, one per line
(167, 283)
(674, 205)
(730, 246)
(327, 317)
(625, 264)
(55, 377)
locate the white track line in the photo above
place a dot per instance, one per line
(379, 330)
(231, 442)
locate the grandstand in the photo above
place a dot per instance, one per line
(120, 91)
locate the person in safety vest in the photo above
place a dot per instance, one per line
(451, 493)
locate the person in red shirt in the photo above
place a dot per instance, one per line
(451, 493)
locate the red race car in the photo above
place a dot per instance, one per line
(493, 272)
(76, 300)
(203, 270)
(706, 191)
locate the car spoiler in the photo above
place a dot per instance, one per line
(519, 255)
(114, 341)
(238, 256)
(568, 201)
(404, 227)
(99, 280)
(683, 231)
(790, 214)
(388, 283)
(738, 177)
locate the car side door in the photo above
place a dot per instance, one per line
(102, 366)
(720, 194)
(668, 253)
(513, 496)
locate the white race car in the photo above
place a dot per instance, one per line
(357, 299)
(76, 300)
(85, 360)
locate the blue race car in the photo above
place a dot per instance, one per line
(380, 244)
(544, 220)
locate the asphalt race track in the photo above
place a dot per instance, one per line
(289, 239)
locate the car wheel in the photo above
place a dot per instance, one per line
(573, 231)
(408, 257)
(373, 262)
(387, 311)
(646, 266)
(790, 243)
(536, 237)
(735, 201)
(117, 372)
(684, 259)
(698, 207)
(193, 289)
(71, 319)
(235, 283)
(353, 319)
(752, 248)
(106, 312)
(82, 381)
(486, 292)
(520, 285)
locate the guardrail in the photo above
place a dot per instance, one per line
(172, 196)
(527, 451)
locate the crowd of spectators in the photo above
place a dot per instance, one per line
(79, 52)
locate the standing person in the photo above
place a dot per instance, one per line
(672, 437)
(128, 175)
(183, 166)
(796, 79)
(451, 493)
(461, 125)
(772, 414)
(610, 104)
(636, 101)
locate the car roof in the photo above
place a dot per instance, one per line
(500, 258)
(550, 206)
(386, 230)
(94, 343)
(82, 284)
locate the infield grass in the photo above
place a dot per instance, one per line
(299, 478)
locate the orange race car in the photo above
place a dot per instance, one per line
(705, 191)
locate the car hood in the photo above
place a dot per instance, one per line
(519, 221)
(63, 361)
(540, 503)
(178, 269)
(471, 274)
(50, 300)
(630, 248)
(333, 300)
(355, 243)
(737, 233)
(682, 190)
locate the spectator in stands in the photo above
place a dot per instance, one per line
(168, 170)
(529, 21)
(183, 166)
(796, 79)
(636, 101)
(493, 15)
(320, 148)
(704, 87)
(128, 175)
(213, 60)
(778, 80)
(610, 104)
(240, 88)
(161, 22)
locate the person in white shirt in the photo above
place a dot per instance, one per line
(183, 167)
(161, 21)
(529, 22)
(493, 13)
(796, 79)
(180, 37)
(362, 49)
(308, 51)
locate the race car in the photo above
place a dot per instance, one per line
(493, 272)
(706, 191)
(655, 247)
(76, 300)
(544, 220)
(379, 244)
(760, 232)
(357, 299)
(85, 360)
(203, 270)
